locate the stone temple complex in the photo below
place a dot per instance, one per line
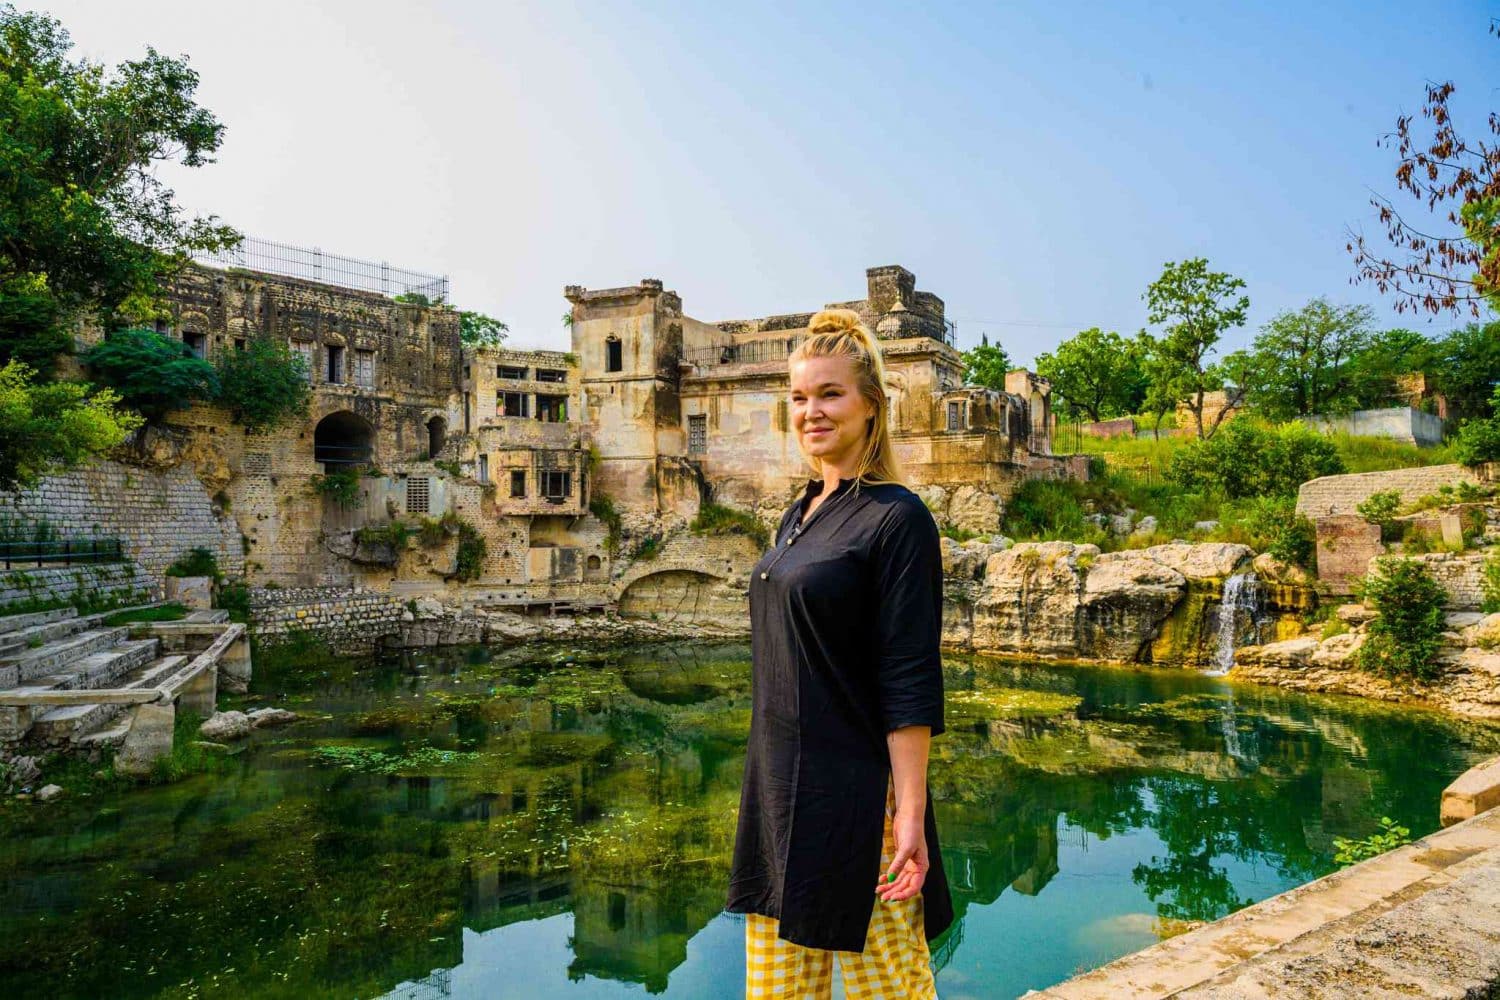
(582, 472)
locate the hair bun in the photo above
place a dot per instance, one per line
(835, 321)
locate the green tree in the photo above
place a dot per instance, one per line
(1479, 439)
(152, 374)
(1305, 360)
(263, 385)
(479, 330)
(1466, 368)
(86, 223)
(51, 426)
(986, 365)
(1195, 306)
(1098, 374)
(1387, 356)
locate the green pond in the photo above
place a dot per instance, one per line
(558, 823)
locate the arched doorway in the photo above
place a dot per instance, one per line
(437, 436)
(342, 440)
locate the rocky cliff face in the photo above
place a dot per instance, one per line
(1063, 599)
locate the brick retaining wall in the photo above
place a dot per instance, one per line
(158, 516)
(348, 618)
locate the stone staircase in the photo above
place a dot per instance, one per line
(56, 651)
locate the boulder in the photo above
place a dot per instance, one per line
(1120, 524)
(1484, 633)
(226, 726)
(23, 772)
(1126, 597)
(1145, 526)
(49, 792)
(262, 717)
(1205, 526)
(1289, 654)
(976, 510)
(428, 607)
(1338, 651)
(960, 561)
(1028, 602)
(1273, 570)
(935, 497)
(1355, 614)
(1201, 560)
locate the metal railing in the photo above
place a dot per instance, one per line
(733, 354)
(313, 264)
(66, 551)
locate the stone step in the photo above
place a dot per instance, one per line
(18, 641)
(13, 623)
(74, 722)
(217, 616)
(104, 668)
(55, 657)
(111, 735)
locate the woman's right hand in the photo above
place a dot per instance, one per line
(910, 864)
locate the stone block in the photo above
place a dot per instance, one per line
(1346, 544)
(1473, 792)
(149, 738)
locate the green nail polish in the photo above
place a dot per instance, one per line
(890, 877)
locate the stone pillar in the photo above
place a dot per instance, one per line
(149, 738)
(201, 694)
(234, 666)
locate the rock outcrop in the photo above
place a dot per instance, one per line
(1467, 680)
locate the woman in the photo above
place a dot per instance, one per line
(836, 851)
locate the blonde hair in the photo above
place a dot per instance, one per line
(838, 333)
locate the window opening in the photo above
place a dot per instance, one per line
(510, 372)
(555, 485)
(613, 356)
(511, 404)
(551, 409)
(517, 483)
(335, 364)
(697, 434)
(418, 495)
(196, 342)
(551, 375)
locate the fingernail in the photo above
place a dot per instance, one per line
(890, 877)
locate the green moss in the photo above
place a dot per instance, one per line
(716, 519)
(1008, 703)
(159, 613)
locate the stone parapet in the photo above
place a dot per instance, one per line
(1330, 495)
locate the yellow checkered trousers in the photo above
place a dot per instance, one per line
(895, 964)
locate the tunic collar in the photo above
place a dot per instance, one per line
(816, 485)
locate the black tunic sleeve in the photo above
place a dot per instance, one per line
(908, 571)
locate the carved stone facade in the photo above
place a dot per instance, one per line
(650, 416)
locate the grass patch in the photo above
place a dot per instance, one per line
(716, 519)
(160, 613)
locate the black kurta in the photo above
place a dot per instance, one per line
(846, 620)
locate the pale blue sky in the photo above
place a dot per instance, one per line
(1035, 164)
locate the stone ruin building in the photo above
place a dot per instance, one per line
(581, 471)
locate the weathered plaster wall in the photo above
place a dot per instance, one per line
(1403, 423)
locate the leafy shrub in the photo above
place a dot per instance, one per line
(1390, 837)
(1046, 509)
(716, 519)
(1405, 635)
(235, 598)
(1489, 582)
(603, 508)
(263, 385)
(340, 486)
(1478, 441)
(395, 534)
(1380, 509)
(195, 562)
(152, 374)
(1245, 459)
(472, 550)
(1275, 526)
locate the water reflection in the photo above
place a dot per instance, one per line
(464, 824)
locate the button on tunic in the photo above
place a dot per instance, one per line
(846, 620)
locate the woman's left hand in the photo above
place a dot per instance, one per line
(910, 864)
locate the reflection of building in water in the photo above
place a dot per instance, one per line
(438, 984)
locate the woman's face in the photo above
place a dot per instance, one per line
(829, 416)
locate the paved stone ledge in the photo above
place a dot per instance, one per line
(1423, 920)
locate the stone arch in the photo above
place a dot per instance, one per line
(342, 440)
(437, 436)
(682, 592)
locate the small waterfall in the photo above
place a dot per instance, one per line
(1241, 600)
